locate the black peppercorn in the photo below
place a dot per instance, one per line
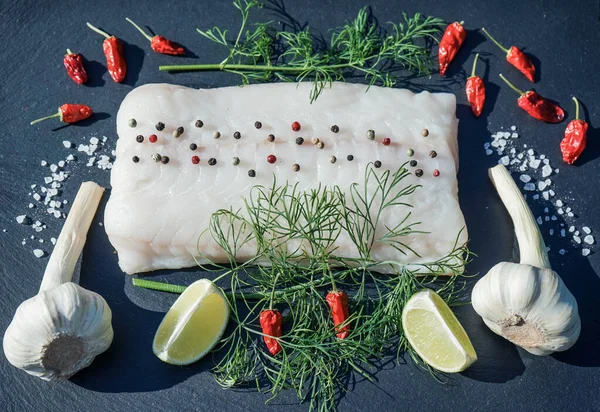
(271, 138)
(135, 159)
(377, 164)
(156, 157)
(295, 167)
(418, 173)
(179, 131)
(432, 154)
(160, 126)
(139, 138)
(413, 163)
(132, 123)
(350, 158)
(237, 135)
(299, 140)
(193, 146)
(164, 159)
(212, 161)
(258, 125)
(335, 128)
(251, 173)
(199, 123)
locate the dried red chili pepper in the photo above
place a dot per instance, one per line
(160, 44)
(575, 139)
(453, 38)
(475, 89)
(338, 303)
(270, 323)
(70, 113)
(517, 58)
(537, 106)
(115, 58)
(74, 64)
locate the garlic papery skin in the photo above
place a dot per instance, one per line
(529, 306)
(64, 327)
(527, 302)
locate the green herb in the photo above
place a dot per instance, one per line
(360, 47)
(313, 362)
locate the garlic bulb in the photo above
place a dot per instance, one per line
(527, 302)
(64, 327)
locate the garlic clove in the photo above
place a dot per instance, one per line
(58, 332)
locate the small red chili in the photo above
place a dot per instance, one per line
(271, 159)
(270, 323)
(452, 40)
(152, 138)
(575, 139)
(386, 141)
(160, 44)
(338, 303)
(115, 58)
(475, 89)
(295, 126)
(74, 64)
(70, 113)
(517, 58)
(537, 106)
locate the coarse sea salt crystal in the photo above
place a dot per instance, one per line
(541, 185)
(536, 197)
(545, 195)
(547, 218)
(530, 152)
(551, 192)
(504, 160)
(577, 239)
(70, 158)
(563, 232)
(57, 214)
(38, 253)
(572, 229)
(31, 205)
(37, 197)
(94, 140)
(44, 163)
(585, 251)
(67, 144)
(61, 163)
(559, 203)
(570, 214)
(513, 128)
(535, 163)
(91, 161)
(577, 233)
(551, 231)
(546, 210)
(562, 251)
(53, 240)
(33, 186)
(525, 178)
(489, 152)
(542, 157)
(539, 220)
(586, 230)
(53, 168)
(553, 217)
(589, 239)
(529, 187)
(514, 135)
(546, 171)
(22, 219)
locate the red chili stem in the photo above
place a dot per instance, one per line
(474, 65)
(496, 42)
(576, 108)
(47, 117)
(97, 30)
(146, 35)
(512, 86)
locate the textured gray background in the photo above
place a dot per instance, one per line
(564, 37)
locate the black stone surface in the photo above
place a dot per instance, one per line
(562, 35)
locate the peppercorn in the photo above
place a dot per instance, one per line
(216, 135)
(371, 134)
(350, 157)
(251, 173)
(377, 164)
(164, 159)
(296, 126)
(299, 140)
(235, 161)
(418, 173)
(436, 173)
(271, 159)
(295, 167)
(139, 138)
(212, 161)
(195, 160)
(193, 146)
(335, 128)
(135, 159)
(160, 126)
(199, 123)
(424, 132)
(152, 138)
(179, 131)
(132, 123)
(413, 163)
(410, 152)
(333, 159)
(433, 154)
(156, 157)
(271, 138)
(176, 133)
(316, 140)
(386, 141)
(237, 135)
(257, 124)
(320, 145)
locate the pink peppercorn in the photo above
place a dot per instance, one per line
(436, 173)
(386, 141)
(195, 160)
(152, 138)
(296, 126)
(271, 159)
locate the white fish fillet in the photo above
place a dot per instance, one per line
(157, 212)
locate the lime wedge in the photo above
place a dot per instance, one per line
(193, 325)
(435, 334)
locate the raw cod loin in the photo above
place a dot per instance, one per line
(157, 210)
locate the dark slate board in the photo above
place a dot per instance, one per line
(564, 38)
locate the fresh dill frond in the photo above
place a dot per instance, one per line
(358, 48)
(293, 234)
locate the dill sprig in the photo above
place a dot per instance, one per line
(294, 234)
(359, 48)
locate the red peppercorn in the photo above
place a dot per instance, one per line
(195, 160)
(271, 159)
(296, 126)
(386, 141)
(152, 138)
(436, 173)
